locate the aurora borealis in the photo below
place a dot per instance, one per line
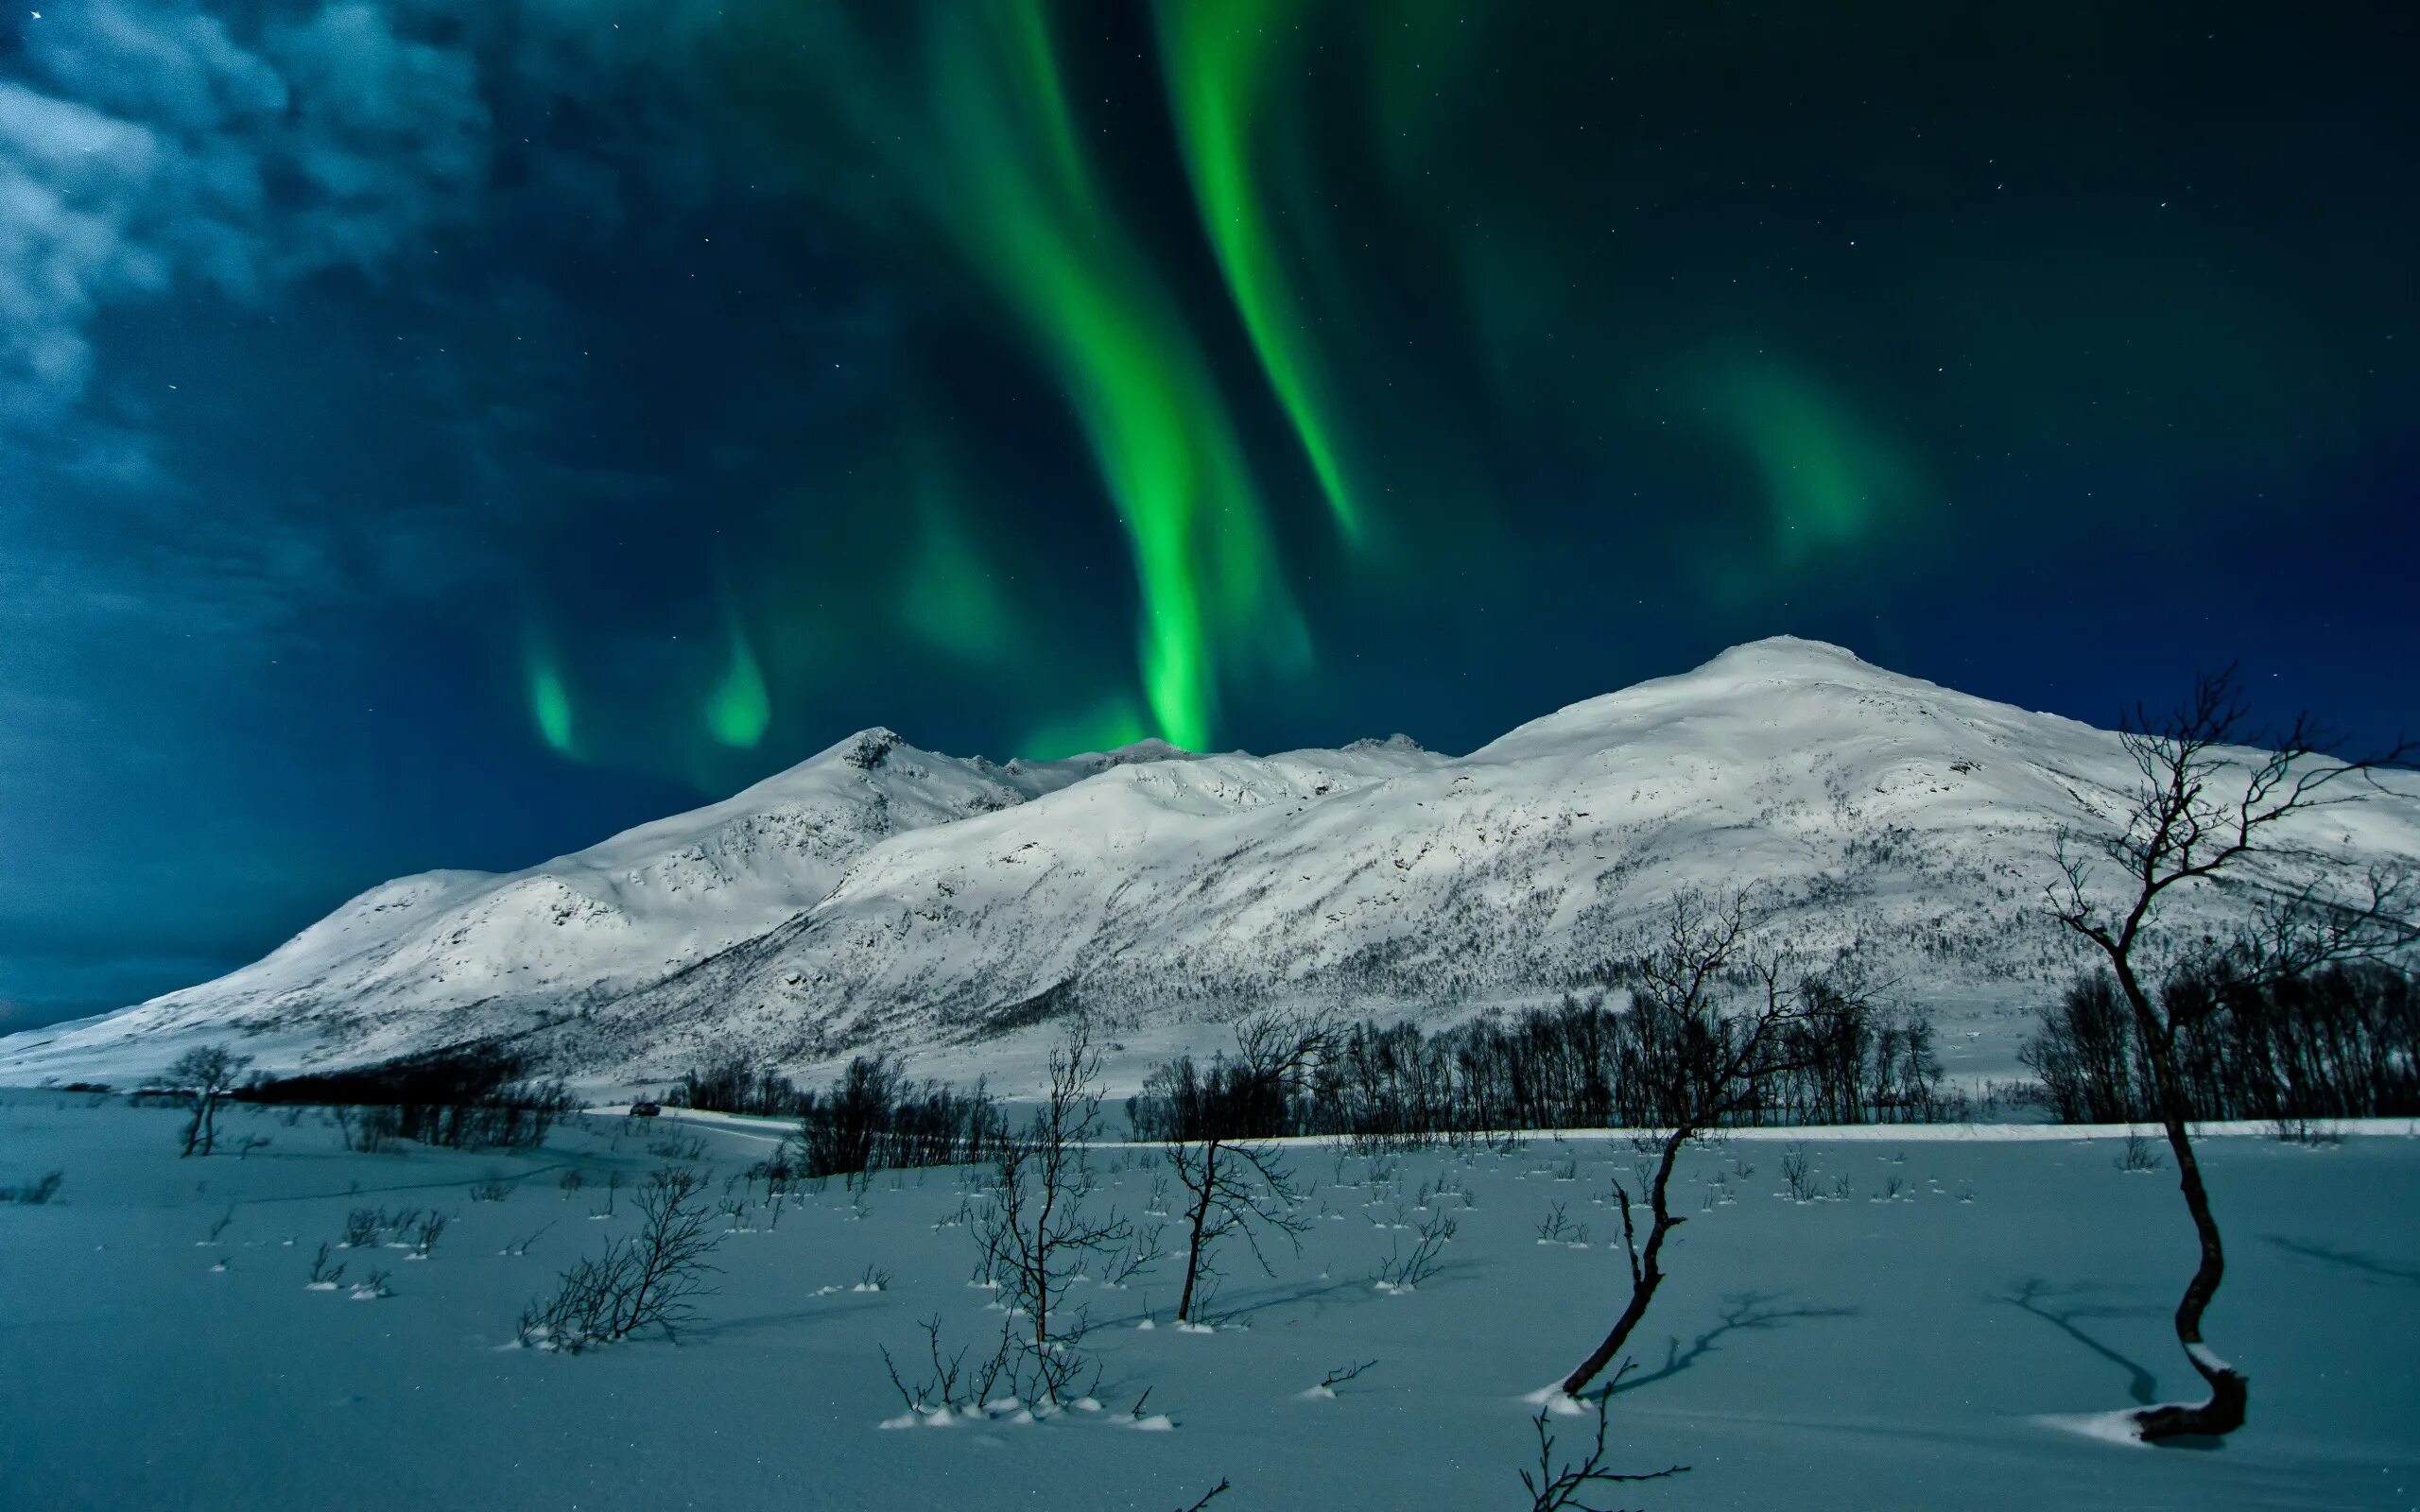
(438, 434)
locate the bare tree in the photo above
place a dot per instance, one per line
(1236, 1184)
(1039, 1234)
(2212, 796)
(205, 1075)
(1712, 1055)
(645, 1279)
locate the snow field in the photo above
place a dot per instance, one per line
(1927, 1330)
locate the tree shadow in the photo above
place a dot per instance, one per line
(1743, 1312)
(1314, 1297)
(2350, 1259)
(2039, 1297)
(712, 1329)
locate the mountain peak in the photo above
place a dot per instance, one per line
(1789, 648)
(864, 750)
(1150, 748)
(1743, 681)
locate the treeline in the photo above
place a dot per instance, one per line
(467, 1097)
(1184, 1100)
(737, 1084)
(2342, 1042)
(1576, 1065)
(871, 1118)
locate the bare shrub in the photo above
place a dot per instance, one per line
(1207, 1497)
(1403, 1270)
(521, 1245)
(323, 1278)
(645, 1280)
(425, 1234)
(1561, 1487)
(1556, 1228)
(1343, 1375)
(2139, 1155)
(949, 1386)
(1799, 1174)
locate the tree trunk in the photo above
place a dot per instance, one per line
(197, 1129)
(1648, 1276)
(1200, 1217)
(2230, 1389)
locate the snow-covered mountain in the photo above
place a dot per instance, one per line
(881, 895)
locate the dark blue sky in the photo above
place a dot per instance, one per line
(440, 435)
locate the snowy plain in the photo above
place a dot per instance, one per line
(1916, 1351)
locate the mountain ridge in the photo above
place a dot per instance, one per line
(879, 895)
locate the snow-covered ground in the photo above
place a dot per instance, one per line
(1915, 1350)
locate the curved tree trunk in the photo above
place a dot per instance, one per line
(1647, 1270)
(2229, 1388)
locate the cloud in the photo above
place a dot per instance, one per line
(145, 147)
(67, 175)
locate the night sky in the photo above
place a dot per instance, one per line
(438, 432)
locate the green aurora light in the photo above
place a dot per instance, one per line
(550, 707)
(1830, 476)
(738, 708)
(1002, 169)
(948, 594)
(1188, 305)
(1220, 57)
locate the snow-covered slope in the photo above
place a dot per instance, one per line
(880, 895)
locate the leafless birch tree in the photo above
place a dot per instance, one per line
(1236, 1184)
(1040, 1232)
(2212, 799)
(1713, 1045)
(205, 1075)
